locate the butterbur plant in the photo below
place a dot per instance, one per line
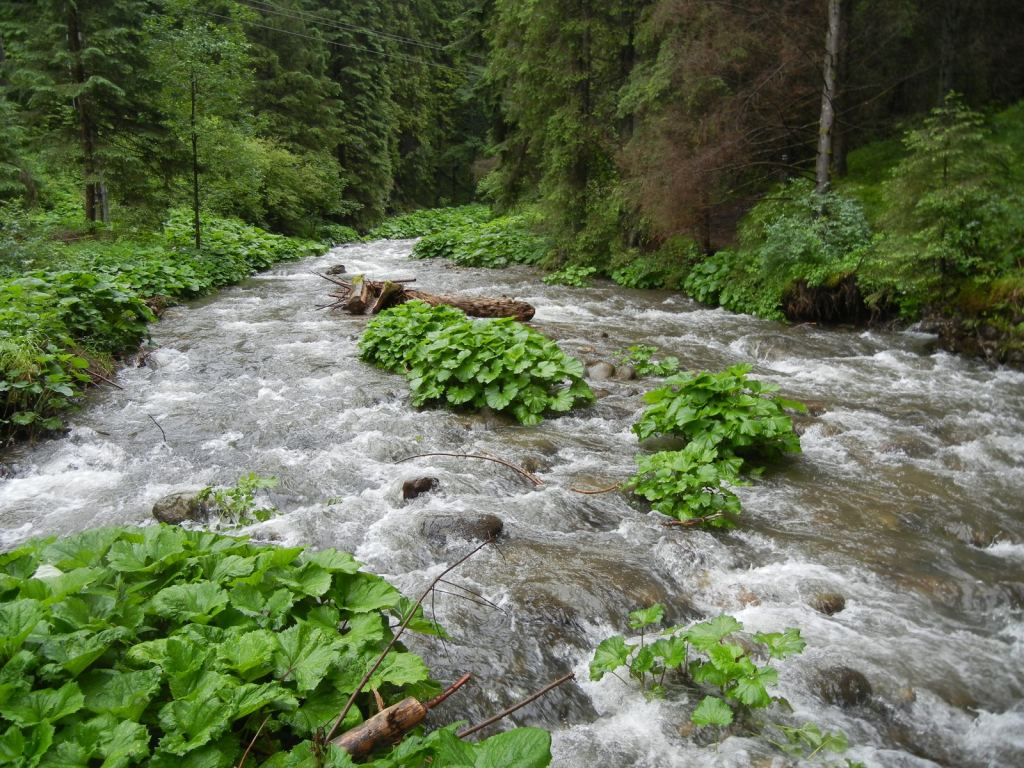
(716, 658)
(733, 427)
(237, 505)
(168, 648)
(453, 360)
(641, 358)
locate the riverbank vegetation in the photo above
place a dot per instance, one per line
(159, 646)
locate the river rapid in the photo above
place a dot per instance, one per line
(908, 500)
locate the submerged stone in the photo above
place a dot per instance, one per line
(844, 687)
(177, 508)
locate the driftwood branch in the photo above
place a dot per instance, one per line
(518, 470)
(505, 713)
(609, 489)
(359, 295)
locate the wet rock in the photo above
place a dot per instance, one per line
(815, 407)
(599, 393)
(970, 535)
(413, 488)
(481, 527)
(908, 446)
(844, 687)
(337, 269)
(624, 373)
(828, 603)
(601, 371)
(176, 508)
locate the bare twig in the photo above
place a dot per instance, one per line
(164, 434)
(448, 691)
(518, 470)
(609, 489)
(692, 521)
(405, 623)
(91, 372)
(248, 749)
(505, 713)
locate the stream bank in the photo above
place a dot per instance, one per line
(905, 503)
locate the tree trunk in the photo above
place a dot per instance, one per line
(197, 227)
(87, 130)
(823, 164)
(840, 139)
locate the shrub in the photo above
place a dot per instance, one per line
(501, 364)
(428, 221)
(721, 662)
(497, 243)
(730, 424)
(573, 275)
(163, 647)
(641, 358)
(236, 505)
(664, 268)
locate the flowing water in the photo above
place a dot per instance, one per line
(908, 500)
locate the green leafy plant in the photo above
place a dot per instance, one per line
(93, 304)
(721, 662)
(573, 275)
(665, 268)
(165, 647)
(451, 359)
(732, 425)
(237, 504)
(496, 243)
(429, 221)
(641, 358)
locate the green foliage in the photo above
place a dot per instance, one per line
(572, 275)
(641, 358)
(793, 236)
(390, 340)
(159, 646)
(53, 321)
(665, 268)
(706, 654)
(720, 661)
(954, 212)
(732, 424)
(237, 505)
(497, 243)
(451, 359)
(429, 221)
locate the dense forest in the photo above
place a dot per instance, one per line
(813, 160)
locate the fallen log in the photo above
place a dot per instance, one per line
(358, 295)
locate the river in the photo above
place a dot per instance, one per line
(908, 500)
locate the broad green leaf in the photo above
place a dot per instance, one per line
(251, 697)
(304, 656)
(127, 744)
(44, 705)
(751, 690)
(518, 748)
(249, 655)
(671, 650)
(78, 650)
(712, 711)
(644, 617)
(611, 654)
(310, 580)
(706, 634)
(232, 567)
(190, 602)
(122, 694)
(188, 724)
(334, 561)
(18, 619)
(363, 592)
(159, 546)
(782, 645)
(399, 669)
(84, 550)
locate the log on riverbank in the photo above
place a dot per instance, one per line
(359, 296)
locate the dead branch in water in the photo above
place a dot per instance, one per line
(609, 489)
(518, 470)
(505, 713)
